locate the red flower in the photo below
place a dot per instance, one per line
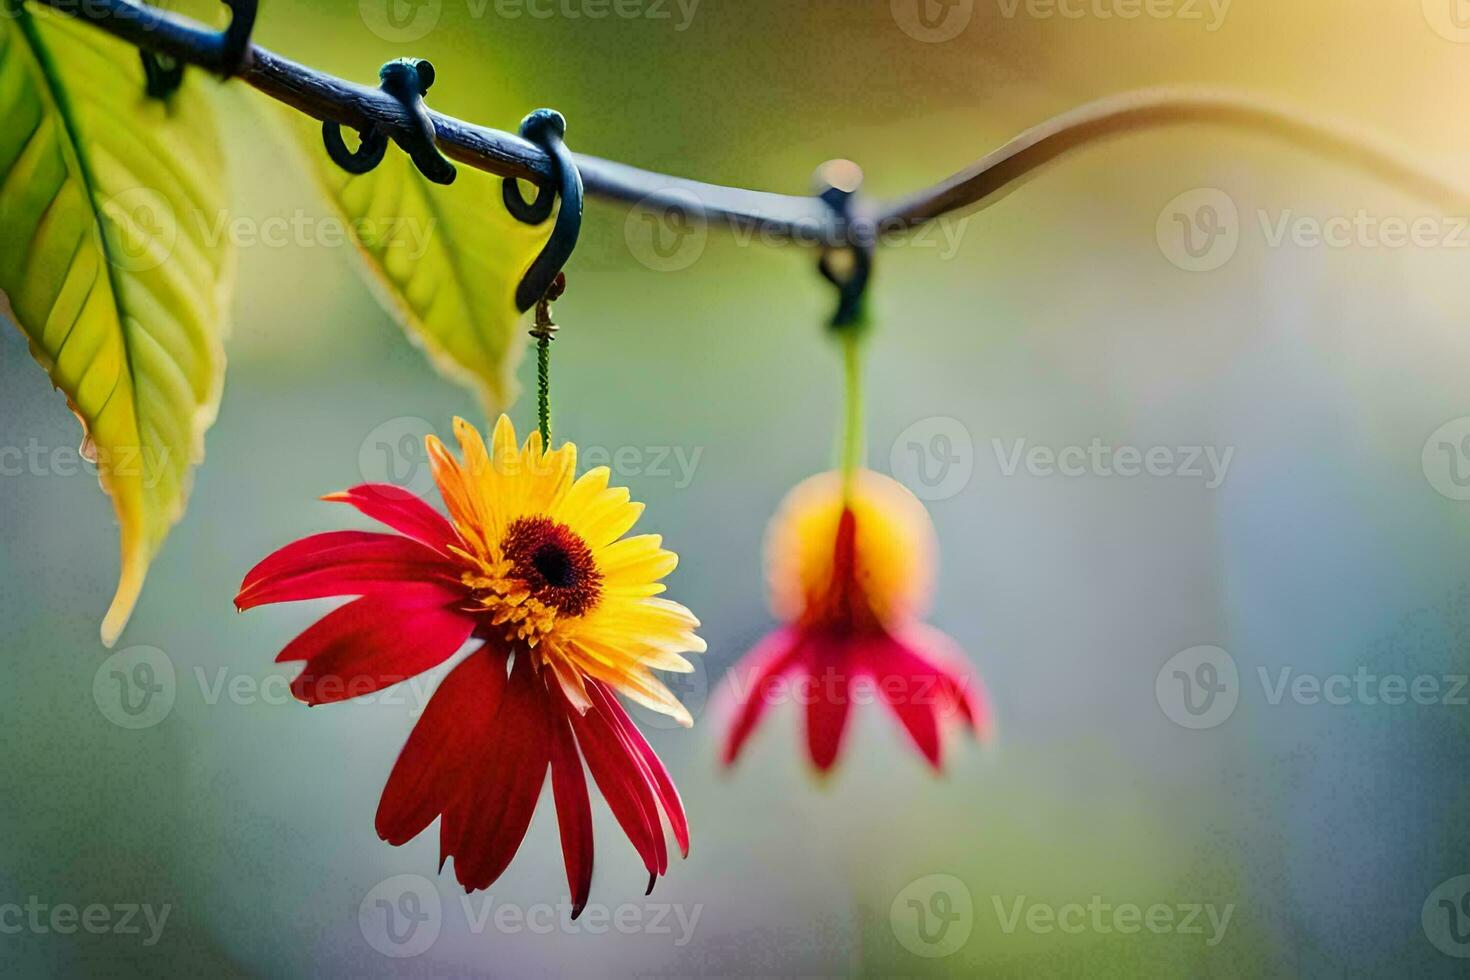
(849, 572)
(534, 568)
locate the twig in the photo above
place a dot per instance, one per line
(802, 219)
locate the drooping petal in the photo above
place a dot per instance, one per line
(829, 696)
(653, 766)
(573, 808)
(377, 641)
(622, 783)
(752, 685)
(340, 563)
(400, 510)
(911, 688)
(573, 686)
(629, 679)
(963, 691)
(439, 762)
(483, 828)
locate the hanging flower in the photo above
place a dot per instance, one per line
(849, 563)
(534, 567)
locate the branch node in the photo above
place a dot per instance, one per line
(407, 80)
(163, 73)
(545, 128)
(838, 183)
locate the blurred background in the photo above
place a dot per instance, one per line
(1282, 831)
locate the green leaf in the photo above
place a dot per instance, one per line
(445, 260)
(107, 263)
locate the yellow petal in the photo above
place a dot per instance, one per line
(572, 508)
(551, 478)
(894, 546)
(636, 560)
(610, 518)
(503, 442)
(571, 684)
(452, 487)
(643, 689)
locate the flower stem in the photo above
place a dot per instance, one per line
(543, 330)
(543, 388)
(852, 421)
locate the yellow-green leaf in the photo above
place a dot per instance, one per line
(445, 260)
(107, 263)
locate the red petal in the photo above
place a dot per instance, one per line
(377, 641)
(829, 696)
(573, 808)
(400, 510)
(753, 684)
(483, 829)
(623, 785)
(437, 764)
(653, 768)
(912, 688)
(341, 563)
(963, 692)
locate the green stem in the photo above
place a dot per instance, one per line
(852, 422)
(543, 389)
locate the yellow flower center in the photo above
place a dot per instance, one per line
(545, 571)
(875, 565)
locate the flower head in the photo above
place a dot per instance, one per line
(533, 566)
(544, 563)
(850, 572)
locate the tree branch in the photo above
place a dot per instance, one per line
(1007, 168)
(803, 219)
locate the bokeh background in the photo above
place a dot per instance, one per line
(1334, 544)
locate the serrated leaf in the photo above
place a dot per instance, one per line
(445, 260)
(107, 265)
